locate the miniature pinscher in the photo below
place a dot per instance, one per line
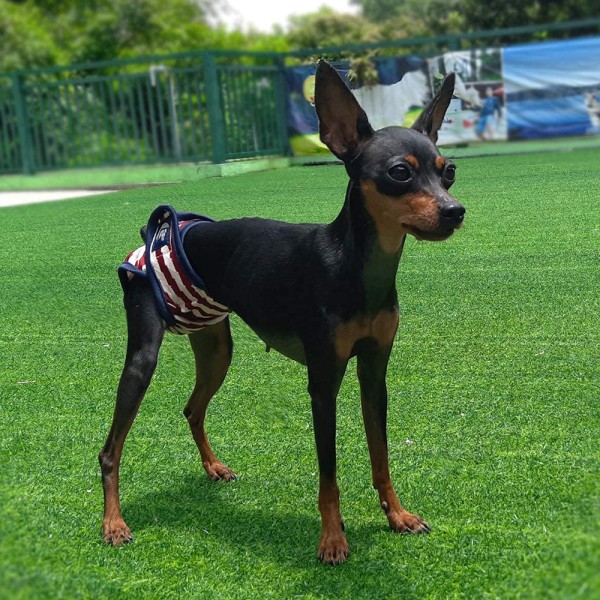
(319, 294)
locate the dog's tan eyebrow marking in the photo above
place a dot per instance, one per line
(412, 160)
(440, 162)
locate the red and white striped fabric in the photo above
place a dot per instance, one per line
(190, 307)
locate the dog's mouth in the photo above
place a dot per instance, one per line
(439, 235)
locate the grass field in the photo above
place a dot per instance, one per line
(124, 176)
(494, 420)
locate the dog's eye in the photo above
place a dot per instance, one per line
(400, 173)
(450, 172)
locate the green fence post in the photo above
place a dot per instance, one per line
(215, 108)
(23, 124)
(281, 100)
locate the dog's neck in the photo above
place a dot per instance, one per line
(355, 230)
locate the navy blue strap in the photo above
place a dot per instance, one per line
(163, 229)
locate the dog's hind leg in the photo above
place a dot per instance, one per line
(145, 335)
(213, 348)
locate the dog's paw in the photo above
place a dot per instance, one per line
(217, 471)
(333, 549)
(116, 533)
(405, 522)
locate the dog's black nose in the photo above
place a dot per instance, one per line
(452, 214)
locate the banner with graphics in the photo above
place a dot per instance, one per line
(523, 92)
(402, 90)
(477, 111)
(553, 89)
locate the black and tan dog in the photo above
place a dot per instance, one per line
(319, 294)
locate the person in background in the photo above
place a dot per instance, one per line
(487, 115)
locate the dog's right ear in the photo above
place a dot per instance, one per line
(343, 124)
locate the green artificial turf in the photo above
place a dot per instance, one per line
(100, 177)
(134, 175)
(116, 177)
(493, 419)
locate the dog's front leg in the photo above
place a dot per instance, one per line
(324, 378)
(372, 368)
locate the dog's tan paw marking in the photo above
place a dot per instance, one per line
(217, 471)
(405, 522)
(116, 533)
(333, 549)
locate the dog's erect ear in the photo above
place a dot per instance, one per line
(432, 117)
(343, 124)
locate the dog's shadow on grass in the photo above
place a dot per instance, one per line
(198, 507)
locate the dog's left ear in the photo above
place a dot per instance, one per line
(432, 117)
(343, 124)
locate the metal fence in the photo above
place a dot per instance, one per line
(174, 108)
(196, 106)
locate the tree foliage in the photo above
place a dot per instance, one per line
(495, 14)
(436, 16)
(329, 28)
(46, 32)
(24, 39)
